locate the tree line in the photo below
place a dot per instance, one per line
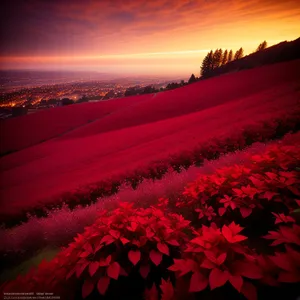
(218, 58)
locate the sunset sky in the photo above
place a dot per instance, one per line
(159, 37)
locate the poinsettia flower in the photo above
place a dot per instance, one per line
(228, 201)
(206, 211)
(285, 234)
(230, 233)
(282, 218)
(249, 191)
(212, 260)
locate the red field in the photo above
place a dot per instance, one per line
(132, 132)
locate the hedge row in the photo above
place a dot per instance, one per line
(261, 132)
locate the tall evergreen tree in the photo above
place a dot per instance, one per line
(230, 56)
(225, 57)
(239, 54)
(210, 60)
(220, 57)
(206, 66)
(204, 69)
(217, 58)
(262, 46)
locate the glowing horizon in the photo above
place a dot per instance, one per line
(140, 37)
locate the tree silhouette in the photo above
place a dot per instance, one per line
(207, 64)
(239, 54)
(217, 58)
(262, 46)
(192, 79)
(225, 57)
(230, 56)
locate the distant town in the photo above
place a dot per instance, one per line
(16, 101)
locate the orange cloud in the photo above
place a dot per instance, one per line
(68, 34)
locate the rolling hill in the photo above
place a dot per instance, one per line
(64, 148)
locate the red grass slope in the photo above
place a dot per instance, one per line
(21, 132)
(153, 128)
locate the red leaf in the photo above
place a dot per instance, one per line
(113, 271)
(217, 278)
(221, 258)
(230, 231)
(107, 239)
(70, 273)
(249, 291)
(88, 247)
(134, 256)
(144, 271)
(163, 248)
(105, 262)
(207, 264)
(80, 268)
(167, 290)
(245, 211)
(151, 294)
(93, 267)
(133, 226)
(114, 233)
(172, 242)
(103, 284)
(149, 233)
(271, 175)
(156, 257)
(198, 282)
(222, 211)
(87, 288)
(84, 254)
(282, 262)
(269, 195)
(124, 240)
(236, 281)
(249, 270)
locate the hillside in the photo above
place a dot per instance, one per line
(132, 132)
(284, 51)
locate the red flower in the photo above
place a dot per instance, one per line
(206, 211)
(288, 235)
(282, 218)
(228, 201)
(231, 233)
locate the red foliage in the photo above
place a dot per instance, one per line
(146, 236)
(285, 235)
(216, 256)
(246, 188)
(144, 242)
(147, 164)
